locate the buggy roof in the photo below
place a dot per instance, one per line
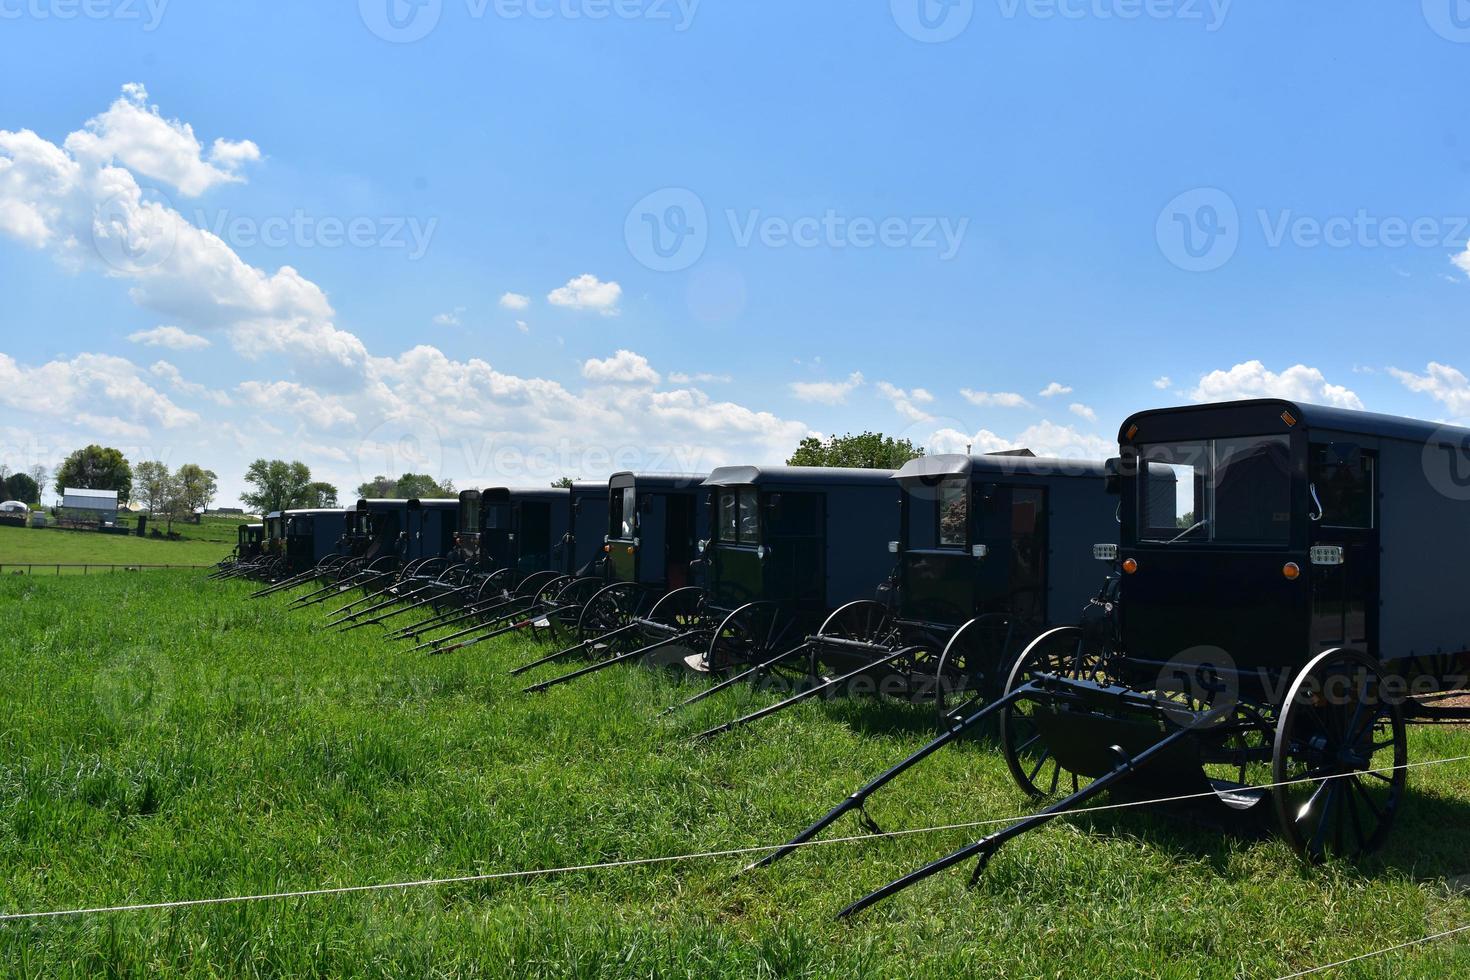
(313, 512)
(658, 481)
(824, 476)
(434, 503)
(998, 466)
(583, 488)
(381, 503)
(504, 494)
(1344, 420)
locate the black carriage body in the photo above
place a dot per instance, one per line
(1008, 536)
(386, 523)
(586, 535)
(250, 539)
(525, 530)
(313, 534)
(809, 538)
(653, 526)
(1320, 530)
(432, 525)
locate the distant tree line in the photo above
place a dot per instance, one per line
(279, 485)
(409, 486)
(870, 450)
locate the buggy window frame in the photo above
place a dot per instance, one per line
(733, 507)
(951, 490)
(1208, 466)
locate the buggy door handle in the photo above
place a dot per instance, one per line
(1317, 517)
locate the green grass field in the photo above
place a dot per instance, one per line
(166, 738)
(202, 544)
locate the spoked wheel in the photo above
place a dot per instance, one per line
(497, 583)
(565, 608)
(864, 621)
(1341, 746)
(610, 609)
(682, 610)
(1061, 652)
(972, 668)
(750, 635)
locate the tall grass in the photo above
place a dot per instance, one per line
(163, 737)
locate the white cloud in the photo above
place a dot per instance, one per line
(133, 133)
(587, 292)
(907, 403)
(1054, 389)
(523, 326)
(171, 337)
(515, 301)
(702, 378)
(1164, 383)
(1252, 380)
(298, 400)
(88, 383)
(827, 392)
(1444, 384)
(1045, 438)
(175, 379)
(624, 367)
(1462, 261)
(995, 399)
(450, 319)
(1082, 411)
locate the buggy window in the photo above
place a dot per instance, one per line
(1225, 491)
(497, 517)
(740, 516)
(626, 508)
(954, 512)
(1343, 480)
(794, 515)
(469, 514)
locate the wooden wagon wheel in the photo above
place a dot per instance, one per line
(1342, 747)
(751, 634)
(682, 610)
(865, 621)
(497, 583)
(609, 609)
(1061, 652)
(565, 609)
(974, 666)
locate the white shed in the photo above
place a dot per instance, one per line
(95, 505)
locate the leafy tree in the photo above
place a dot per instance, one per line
(871, 450)
(96, 468)
(565, 483)
(40, 476)
(407, 487)
(378, 488)
(154, 484)
(20, 486)
(319, 495)
(278, 485)
(197, 487)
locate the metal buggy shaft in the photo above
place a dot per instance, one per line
(325, 592)
(384, 604)
(491, 607)
(299, 578)
(611, 661)
(808, 693)
(986, 847)
(522, 618)
(574, 649)
(732, 681)
(416, 604)
(450, 617)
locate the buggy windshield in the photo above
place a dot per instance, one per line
(1226, 491)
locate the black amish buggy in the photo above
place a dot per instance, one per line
(789, 544)
(987, 556)
(648, 536)
(1264, 640)
(528, 544)
(249, 546)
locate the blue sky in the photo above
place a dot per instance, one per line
(865, 222)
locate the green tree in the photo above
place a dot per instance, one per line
(565, 483)
(378, 488)
(96, 468)
(20, 486)
(154, 484)
(41, 476)
(871, 450)
(418, 485)
(278, 485)
(318, 495)
(197, 487)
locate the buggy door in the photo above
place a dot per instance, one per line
(1345, 530)
(795, 551)
(679, 537)
(1011, 523)
(534, 537)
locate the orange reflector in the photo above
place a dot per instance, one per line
(1130, 565)
(607, 548)
(1292, 571)
(1288, 418)
(630, 549)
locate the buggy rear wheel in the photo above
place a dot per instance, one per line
(1340, 751)
(863, 621)
(1059, 652)
(566, 608)
(973, 667)
(610, 609)
(748, 636)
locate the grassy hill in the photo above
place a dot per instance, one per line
(167, 738)
(202, 544)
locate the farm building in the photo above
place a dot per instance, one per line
(89, 505)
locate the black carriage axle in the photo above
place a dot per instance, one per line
(509, 623)
(612, 661)
(364, 579)
(732, 681)
(574, 649)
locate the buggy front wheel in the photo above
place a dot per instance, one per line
(1059, 652)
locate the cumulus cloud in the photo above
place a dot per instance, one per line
(1054, 389)
(171, 337)
(175, 379)
(450, 319)
(702, 378)
(907, 403)
(994, 399)
(86, 384)
(1163, 383)
(624, 367)
(827, 392)
(1444, 384)
(1045, 438)
(1082, 411)
(515, 301)
(1253, 380)
(291, 398)
(133, 133)
(587, 292)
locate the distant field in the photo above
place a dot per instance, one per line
(165, 737)
(203, 544)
